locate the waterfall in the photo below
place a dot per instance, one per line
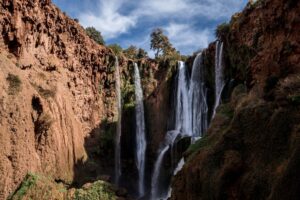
(182, 119)
(157, 167)
(177, 169)
(198, 99)
(119, 125)
(191, 117)
(140, 130)
(169, 141)
(219, 79)
(183, 125)
(179, 166)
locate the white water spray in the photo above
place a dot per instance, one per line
(140, 131)
(219, 77)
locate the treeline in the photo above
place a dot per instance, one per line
(159, 43)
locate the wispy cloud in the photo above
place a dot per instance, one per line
(109, 20)
(188, 23)
(186, 38)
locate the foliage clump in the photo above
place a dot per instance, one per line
(14, 84)
(133, 52)
(162, 46)
(95, 35)
(222, 31)
(29, 181)
(117, 49)
(98, 190)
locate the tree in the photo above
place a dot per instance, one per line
(131, 52)
(159, 42)
(117, 49)
(142, 53)
(95, 35)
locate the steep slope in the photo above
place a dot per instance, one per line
(251, 150)
(57, 90)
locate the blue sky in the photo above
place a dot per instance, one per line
(189, 24)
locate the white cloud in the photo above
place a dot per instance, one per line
(185, 37)
(109, 21)
(116, 17)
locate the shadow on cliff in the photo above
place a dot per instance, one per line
(99, 164)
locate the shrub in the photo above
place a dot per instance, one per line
(95, 35)
(29, 181)
(222, 31)
(14, 84)
(193, 148)
(117, 49)
(131, 52)
(98, 190)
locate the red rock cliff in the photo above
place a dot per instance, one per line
(57, 86)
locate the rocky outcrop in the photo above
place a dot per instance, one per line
(251, 150)
(57, 90)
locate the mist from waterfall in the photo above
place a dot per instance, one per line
(119, 124)
(219, 77)
(140, 131)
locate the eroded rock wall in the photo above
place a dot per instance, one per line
(251, 150)
(57, 90)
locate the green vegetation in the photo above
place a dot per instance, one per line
(222, 31)
(141, 53)
(226, 109)
(117, 49)
(14, 84)
(97, 191)
(107, 137)
(193, 148)
(161, 44)
(131, 52)
(29, 181)
(95, 35)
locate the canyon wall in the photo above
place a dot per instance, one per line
(57, 92)
(251, 150)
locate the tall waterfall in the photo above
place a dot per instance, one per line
(183, 118)
(140, 131)
(191, 117)
(183, 126)
(119, 125)
(219, 79)
(198, 99)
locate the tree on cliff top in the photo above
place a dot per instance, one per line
(160, 43)
(95, 35)
(131, 52)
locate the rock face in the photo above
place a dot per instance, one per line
(57, 94)
(251, 150)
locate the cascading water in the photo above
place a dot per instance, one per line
(169, 141)
(140, 131)
(191, 117)
(183, 126)
(119, 125)
(219, 79)
(183, 118)
(197, 96)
